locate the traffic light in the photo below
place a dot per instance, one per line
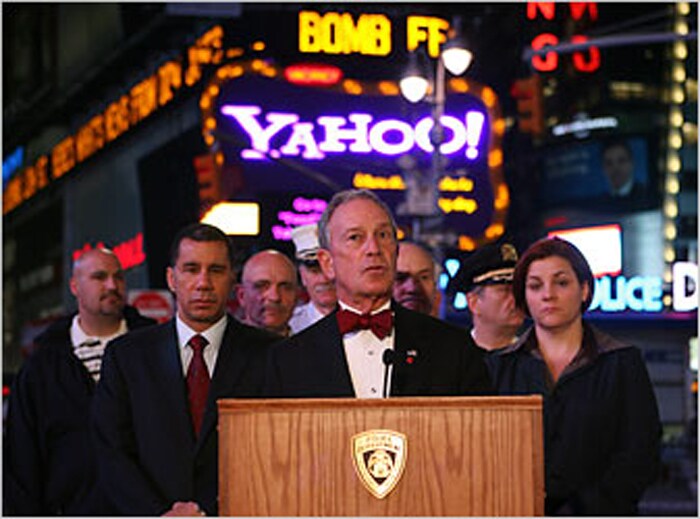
(208, 180)
(528, 93)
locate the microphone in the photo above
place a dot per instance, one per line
(388, 359)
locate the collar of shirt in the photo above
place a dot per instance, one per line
(214, 335)
(364, 351)
(345, 306)
(78, 335)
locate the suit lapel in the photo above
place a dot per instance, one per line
(408, 344)
(330, 352)
(168, 370)
(230, 364)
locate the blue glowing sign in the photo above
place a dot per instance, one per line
(12, 163)
(615, 294)
(638, 294)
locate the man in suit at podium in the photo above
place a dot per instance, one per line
(154, 412)
(370, 346)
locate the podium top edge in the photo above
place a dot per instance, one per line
(497, 402)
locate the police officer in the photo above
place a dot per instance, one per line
(486, 278)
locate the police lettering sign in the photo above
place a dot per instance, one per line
(292, 139)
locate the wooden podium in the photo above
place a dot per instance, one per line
(462, 456)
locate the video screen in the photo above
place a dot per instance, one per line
(606, 175)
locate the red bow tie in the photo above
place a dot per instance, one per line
(380, 323)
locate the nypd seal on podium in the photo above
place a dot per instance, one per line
(379, 456)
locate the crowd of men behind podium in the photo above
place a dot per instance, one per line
(113, 414)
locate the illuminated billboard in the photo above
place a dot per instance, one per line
(292, 139)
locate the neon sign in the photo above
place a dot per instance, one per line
(122, 114)
(12, 163)
(305, 211)
(129, 252)
(613, 295)
(313, 74)
(638, 293)
(356, 133)
(371, 35)
(353, 134)
(550, 60)
(685, 286)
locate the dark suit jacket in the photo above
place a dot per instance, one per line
(49, 467)
(312, 363)
(148, 456)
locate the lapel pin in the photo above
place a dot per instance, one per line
(411, 356)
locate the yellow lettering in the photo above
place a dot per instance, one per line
(90, 138)
(33, 178)
(369, 181)
(376, 33)
(309, 40)
(354, 38)
(458, 205)
(169, 80)
(143, 100)
(12, 195)
(331, 32)
(63, 157)
(117, 118)
(41, 171)
(426, 29)
(461, 184)
(337, 33)
(206, 50)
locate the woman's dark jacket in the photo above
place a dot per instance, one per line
(601, 422)
(48, 460)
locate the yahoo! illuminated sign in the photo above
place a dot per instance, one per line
(358, 133)
(291, 139)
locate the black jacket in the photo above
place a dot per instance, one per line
(148, 455)
(601, 423)
(432, 357)
(48, 462)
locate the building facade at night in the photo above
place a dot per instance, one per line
(123, 122)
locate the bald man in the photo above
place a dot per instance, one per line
(49, 466)
(415, 285)
(268, 291)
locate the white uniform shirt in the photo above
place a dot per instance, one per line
(304, 316)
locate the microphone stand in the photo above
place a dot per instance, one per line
(388, 359)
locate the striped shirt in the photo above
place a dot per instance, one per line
(89, 348)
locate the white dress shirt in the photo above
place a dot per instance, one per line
(214, 335)
(364, 352)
